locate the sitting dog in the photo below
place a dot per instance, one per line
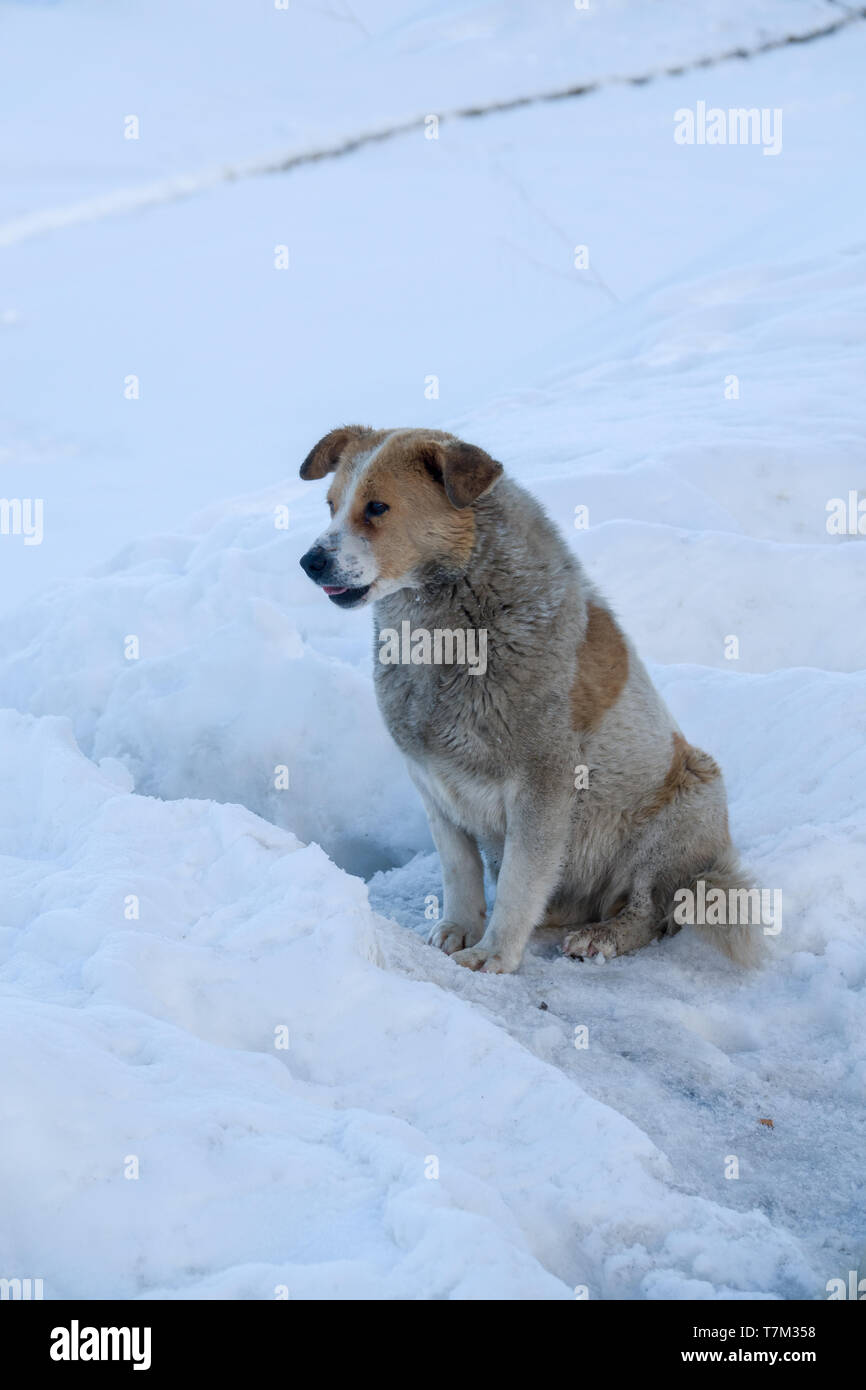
(559, 762)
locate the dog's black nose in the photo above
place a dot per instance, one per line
(315, 561)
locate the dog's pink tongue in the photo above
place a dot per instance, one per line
(331, 589)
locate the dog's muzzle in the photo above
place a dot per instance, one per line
(318, 563)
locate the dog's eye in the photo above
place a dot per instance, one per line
(376, 509)
(330, 505)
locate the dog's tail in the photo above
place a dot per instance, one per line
(740, 939)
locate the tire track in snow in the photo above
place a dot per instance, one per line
(125, 201)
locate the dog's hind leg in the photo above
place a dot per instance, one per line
(635, 926)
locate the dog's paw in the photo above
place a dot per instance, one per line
(489, 962)
(590, 942)
(450, 937)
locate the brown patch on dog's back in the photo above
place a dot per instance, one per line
(602, 670)
(690, 767)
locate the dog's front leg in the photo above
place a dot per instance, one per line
(464, 907)
(535, 845)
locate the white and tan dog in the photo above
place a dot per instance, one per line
(428, 529)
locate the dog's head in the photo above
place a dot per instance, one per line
(401, 507)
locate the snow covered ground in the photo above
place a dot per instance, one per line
(197, 985)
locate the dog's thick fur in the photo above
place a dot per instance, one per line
(460, 545)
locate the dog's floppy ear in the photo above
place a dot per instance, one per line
(465, 471)
(324, 456)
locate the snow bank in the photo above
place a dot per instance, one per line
(158, 1140)
(210, 670)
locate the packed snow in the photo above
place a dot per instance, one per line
(233, 1066)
